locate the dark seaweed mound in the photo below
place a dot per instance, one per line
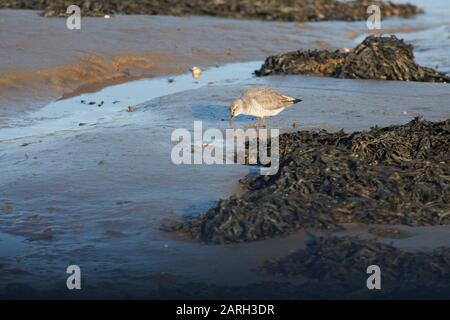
(393, 175)
(311, 62)
(344, 261)
(387, 58)
(337, 268)
(380, 58)
(282, 10)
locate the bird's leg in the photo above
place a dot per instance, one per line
(264, 121)
(258, 122)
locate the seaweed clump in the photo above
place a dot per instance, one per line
(342, 263)
(393, 175)
(280, 10)
(311, 62)
(380, 58)
(335, 268)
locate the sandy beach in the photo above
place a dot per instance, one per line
(85, 182)
(40, 66)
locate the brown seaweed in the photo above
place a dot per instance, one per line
(377, 57)
(343, 262)
(393, 175)
(280, 10)
(336, 268)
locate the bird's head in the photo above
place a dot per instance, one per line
(235, 109)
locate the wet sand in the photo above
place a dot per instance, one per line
(96, 194)
(42, 60)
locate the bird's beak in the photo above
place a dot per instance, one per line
(231, 120)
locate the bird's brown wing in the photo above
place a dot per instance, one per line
(267, 98)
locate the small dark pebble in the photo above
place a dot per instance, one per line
(123, 202)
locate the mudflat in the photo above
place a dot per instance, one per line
(87, 177)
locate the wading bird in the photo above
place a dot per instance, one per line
(261, 103)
